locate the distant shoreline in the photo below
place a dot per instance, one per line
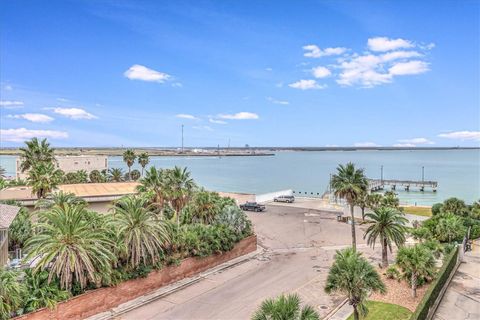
(223, 152)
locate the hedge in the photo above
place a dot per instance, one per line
(436, 286)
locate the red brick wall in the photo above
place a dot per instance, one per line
(103, 299)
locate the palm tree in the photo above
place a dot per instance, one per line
(285, 308)
(205, 206)
(36, 152)
(391, 200)
(115, 174)
(388, 225)
(449, 227)
(348, 184)
(81, 176)
(353, 276)
(43, 178)
(60, 199)
(69, 248)
(2, 172)
(11, 293)
(135, 175)
(154, 183)
(417, 261)
(96, 177)
(142, 235)
(143, 160)
(129, 158)
(180, 188)
(374, 201)
(361, 202)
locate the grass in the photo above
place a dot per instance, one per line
(385, 311)
(419, 211)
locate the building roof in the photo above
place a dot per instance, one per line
(7, 214)
(84, 190)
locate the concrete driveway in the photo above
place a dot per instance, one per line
(299, 245)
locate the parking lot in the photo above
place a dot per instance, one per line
(299, 245)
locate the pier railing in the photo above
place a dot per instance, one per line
(379, 184)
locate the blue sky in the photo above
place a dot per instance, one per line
(263, 73)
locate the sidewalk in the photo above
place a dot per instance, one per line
(462, 298)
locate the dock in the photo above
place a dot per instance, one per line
(422, 185)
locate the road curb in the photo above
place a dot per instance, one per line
(172, 288)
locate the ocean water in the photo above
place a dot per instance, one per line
(457, 171)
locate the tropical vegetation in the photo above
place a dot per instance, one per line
(285, 307)
(387, 225)
(352, 275)
(349, 183)
(129, 157)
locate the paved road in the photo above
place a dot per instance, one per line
(462, 298)
(299, 246)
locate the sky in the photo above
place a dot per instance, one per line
(263, 73)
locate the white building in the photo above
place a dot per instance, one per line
(72, 164)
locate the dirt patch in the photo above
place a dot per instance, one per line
(399, 293)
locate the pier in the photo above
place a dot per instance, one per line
(379, 184)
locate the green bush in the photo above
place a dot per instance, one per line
(436, 209)
(393, 273)
(435, 287)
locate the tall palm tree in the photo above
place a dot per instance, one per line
(348, 183)
(142, 235)
(154, 183)
(115, 174)
(180, 188)
(353, 276)
(417, 261)
(129, 157)
(361, 202)
(69, 248)
(11, 293)
(388, 225)
(285, 308)
(36, 152)
(43, 178)
(143, 160)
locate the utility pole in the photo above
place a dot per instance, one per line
(381, 173)
(423, 174)
(182, 138)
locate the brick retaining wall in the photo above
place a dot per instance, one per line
(103, 299)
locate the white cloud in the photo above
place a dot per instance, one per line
(386, 44)
(273, 100)
(239, 116)
(8, 87)
(321, 72)
(410, 67)
(395, 55)
(73, 113)
(33, 117)
(366, 144)
(314, 51)
(306, 85)
(177, 85)
(139, 72)
(203, 128)
(216, 121)
(268, 69)
(404, 145)
(461, 135)
(416, 141)
(186, 116)
(62, 100)
(10, 104)
(22, 134)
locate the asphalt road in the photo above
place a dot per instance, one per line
(299, 247)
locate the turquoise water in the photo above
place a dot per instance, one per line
(457, 171)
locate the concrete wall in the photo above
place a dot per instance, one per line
(269, 196)
(103, 299)
(73, 163)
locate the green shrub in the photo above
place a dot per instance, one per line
(436, 209)
(41, 292)
(232, 216)
(393, 273)
(434, 290)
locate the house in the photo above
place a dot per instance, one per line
(99, 196)
(7, 214)
(71, 164)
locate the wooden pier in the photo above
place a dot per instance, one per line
(379, 184)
